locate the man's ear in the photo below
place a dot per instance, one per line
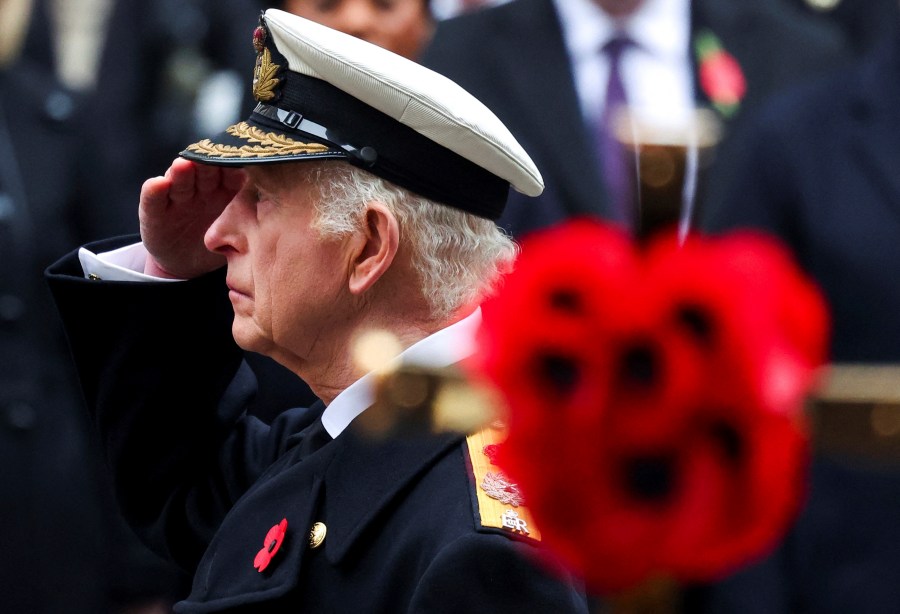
(373, 248)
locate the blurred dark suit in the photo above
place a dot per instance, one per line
(513, 58)
(820, 167)
(157, 56)
(865, 22)
(64, 547)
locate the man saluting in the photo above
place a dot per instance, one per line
(360, 194)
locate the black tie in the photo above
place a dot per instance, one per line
(618, 166)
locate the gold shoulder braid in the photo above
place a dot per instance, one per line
(268, 144)
(500, 503)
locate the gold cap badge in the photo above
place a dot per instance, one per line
(264, 79)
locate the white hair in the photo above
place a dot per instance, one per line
(458, 256)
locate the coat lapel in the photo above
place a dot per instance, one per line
(226, 576)
(724, 20)
(370, 475)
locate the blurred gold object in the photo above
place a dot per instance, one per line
(411, 399)
(858, 382)
(15, 15)
(823, 5)
(374, 350)
(657, 595)
(855, 412)
(465, 407)
(670, 157)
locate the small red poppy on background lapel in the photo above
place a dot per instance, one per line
(271, 545)
(655, 397)
(720, 75)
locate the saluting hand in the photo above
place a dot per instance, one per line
(175, 212)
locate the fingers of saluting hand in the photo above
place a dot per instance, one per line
(217, 183)
(155, 192)
(208, 179)
(190, 181)
(176, 211)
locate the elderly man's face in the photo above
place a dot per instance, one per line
(286, 283)
(402, 26)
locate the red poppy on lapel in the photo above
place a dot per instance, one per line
(720, 75)
(271, 545)
(655, 397)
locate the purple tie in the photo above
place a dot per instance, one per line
(618, 168)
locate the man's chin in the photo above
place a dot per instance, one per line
(248, 338)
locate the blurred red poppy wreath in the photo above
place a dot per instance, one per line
(655, 397)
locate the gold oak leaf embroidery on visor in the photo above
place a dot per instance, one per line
(269, 144)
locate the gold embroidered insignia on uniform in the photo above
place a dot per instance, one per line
(496, 486)
(510, 520)
(266, 144)
(260, 34)
(495, 493)
(264, 80)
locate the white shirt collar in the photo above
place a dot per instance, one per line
(656, 71)
(441, 349)
(661, 27)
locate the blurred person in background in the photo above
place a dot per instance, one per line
(445, 9)
(818, 167)
(65, 548)
(544, 67)
(165, 73)
(401, 26)
(865, 22)
(172, 70)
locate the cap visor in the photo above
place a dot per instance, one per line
(250, 143)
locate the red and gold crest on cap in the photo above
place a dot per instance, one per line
(264, 74)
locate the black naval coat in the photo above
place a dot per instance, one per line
(204, 482)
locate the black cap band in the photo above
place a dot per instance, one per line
(309, 109)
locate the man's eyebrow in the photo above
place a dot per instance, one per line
(265, 179)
